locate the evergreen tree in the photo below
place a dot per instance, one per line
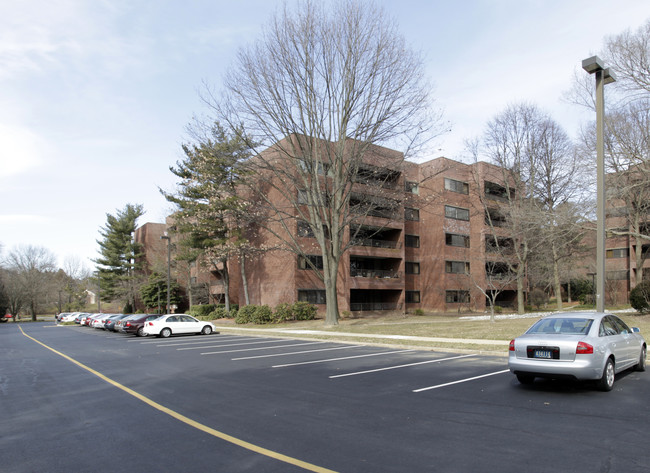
(154, 292)
(211, 215)
(121, 256)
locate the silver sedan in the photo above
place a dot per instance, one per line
(579, 345)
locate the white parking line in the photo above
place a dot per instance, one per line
(342, 358)
(459, 381)
(233, 344)
(401, 366)
(186, 341)
(262, 348)
(297, 352)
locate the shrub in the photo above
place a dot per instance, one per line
(283, 312)
(219, 313)
(418, 312)
(640, 297)
(246, 314)
(304, 311)
(263, 314)
(538, 297)
(201, 310)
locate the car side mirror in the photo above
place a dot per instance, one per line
(636, 330)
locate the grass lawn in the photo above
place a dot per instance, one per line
(438, 326)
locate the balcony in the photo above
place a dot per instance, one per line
(375, 273)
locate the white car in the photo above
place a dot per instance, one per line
(579, 345)
(69, 317)
(176, 324)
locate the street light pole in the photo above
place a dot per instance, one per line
(594, 65)
(169, 255)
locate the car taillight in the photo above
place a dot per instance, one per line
(512, 345)
(128, 324)
(584, 349)
(150, 324)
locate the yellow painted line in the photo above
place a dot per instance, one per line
(190, 422)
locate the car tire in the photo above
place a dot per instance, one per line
(525, 378)
(140, 332)
(207, 330)
(641, 365)
(165, 333)
(606, 382)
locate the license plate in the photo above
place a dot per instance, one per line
(547, 354)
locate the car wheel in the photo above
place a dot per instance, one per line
(641, 365)
(207, 330)
(165, 333)
(606, 382)
(525, 378)
(140, 332)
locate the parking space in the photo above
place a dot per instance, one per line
(379, 408)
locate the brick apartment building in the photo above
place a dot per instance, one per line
(429, 254)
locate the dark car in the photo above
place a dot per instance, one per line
(111, 322)
(134, 323)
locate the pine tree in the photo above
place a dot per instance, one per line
(120, 256)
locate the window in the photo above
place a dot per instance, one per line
(495, 218)
(412, 241)
(315, 260)
(456, 213)
(412, 297)
(412, 267)
(411, 187)
(411, 214)
(618, 253)
(455, 297)
(456, 186)
(304, 230)
(495, 244)
(457, 267)
(313, 296)
(608, 328)
(452, 239)
(497, 191)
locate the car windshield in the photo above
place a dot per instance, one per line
(561, 325)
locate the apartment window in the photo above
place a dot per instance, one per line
(305, 260)
(411, 187)
(457, 267)
(499, 244)
(412, 241)
(313, 296)
(452, 239)
(495, 218)
(412, 267)
(457, 213)
(411, 214)
(412, 297)
(455, 297)
(304, 230)
(618, 253)
(456, 186)
(497, 191)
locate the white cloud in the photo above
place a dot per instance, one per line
(22, 150)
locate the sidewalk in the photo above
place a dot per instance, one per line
(433, 340)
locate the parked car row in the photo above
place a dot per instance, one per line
(141, 324)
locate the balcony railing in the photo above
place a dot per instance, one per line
(360, 306)
(374, 273)
(374, 243)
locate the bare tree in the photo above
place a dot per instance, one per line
(628, 54)
(511, 141)
(324, 85)
(32, 267)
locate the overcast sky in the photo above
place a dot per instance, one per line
(95, 94)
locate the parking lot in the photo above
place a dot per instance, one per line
(76, 399)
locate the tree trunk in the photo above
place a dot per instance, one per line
(330, 273)
(520, 290)
(242, 263)
(556, 278)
